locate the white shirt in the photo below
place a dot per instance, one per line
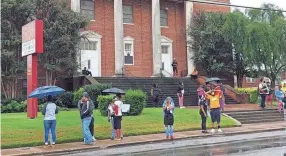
(50, 111)
(110, 109)
(119, 104)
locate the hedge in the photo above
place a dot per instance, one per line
(65, 100)
(103, 102)
(14, 107)
(253, 93)
(137, 100)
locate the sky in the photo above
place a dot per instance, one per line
(258, 3)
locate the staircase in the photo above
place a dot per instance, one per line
(168, 87)
(258, 116)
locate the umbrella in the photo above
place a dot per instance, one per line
(44, 91)
(213, 79)
(114, 91)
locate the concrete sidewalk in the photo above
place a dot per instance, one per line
(133, 140)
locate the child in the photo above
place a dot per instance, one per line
(168, 108)
(215, 109)
(201, 94)
(203, 113)
(111, 119)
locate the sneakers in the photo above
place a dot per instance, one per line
(213, 131)
(93, 138)
(46, 143)
(182, 107)
(219, 130)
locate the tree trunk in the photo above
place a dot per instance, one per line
(239, 81)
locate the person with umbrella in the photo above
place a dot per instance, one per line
(118, 116)
(49, 112)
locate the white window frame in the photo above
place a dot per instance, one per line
(129, 40)
(164, 26)
(132, 23)
(250, 80)
(93, 9)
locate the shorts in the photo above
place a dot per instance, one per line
(215, 115)
(117, 122)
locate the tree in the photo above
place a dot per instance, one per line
(235, 31)
(266, 44)
(212, 52)
(15, 14)
(61, 37)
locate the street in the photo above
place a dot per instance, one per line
(266, 143)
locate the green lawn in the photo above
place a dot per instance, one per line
(18, 131)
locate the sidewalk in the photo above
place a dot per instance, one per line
(133, 140)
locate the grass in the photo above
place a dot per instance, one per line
(18, 131)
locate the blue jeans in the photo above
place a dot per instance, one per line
(169, 130)
(50, 125)
(85, 126)
(113, 131)
(262, 104)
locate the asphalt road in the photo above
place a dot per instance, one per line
(256, 144)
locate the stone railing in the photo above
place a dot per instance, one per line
(239, 97)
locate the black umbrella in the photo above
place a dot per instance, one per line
(114, 91)
(212, 79)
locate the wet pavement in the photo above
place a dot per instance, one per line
(266, 143)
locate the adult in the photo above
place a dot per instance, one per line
(85, 114)
(194, 74)
(175, 67)
(168, 108)
(118, 116)
(215, 109)
(263, 91)
(180, 94)
(203, 112)
(91, 108)
(49, 111)
(86, 72)
(111, 119)
(155, 93)
(279, 94)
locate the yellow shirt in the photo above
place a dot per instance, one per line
(214, 101)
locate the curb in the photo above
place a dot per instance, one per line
(69, 151)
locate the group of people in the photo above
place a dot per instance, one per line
(266, 93)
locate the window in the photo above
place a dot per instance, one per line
(127, 14)
(88, 45)
(87, 9)
(88, 64)
(165, 49)
(163, 17)
(250, 80)
(128, 53)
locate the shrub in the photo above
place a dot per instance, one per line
(253, 93)
(94, 90)
(137, 100)
(77, 95)
(14, 107)
(65, 100)
(103, 102)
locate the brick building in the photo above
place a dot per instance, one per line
(137, 37)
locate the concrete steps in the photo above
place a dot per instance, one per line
(168, 87)
(259, 116)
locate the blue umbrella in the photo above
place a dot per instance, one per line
(44, 91)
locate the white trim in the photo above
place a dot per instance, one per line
(165, 39)
(129, 40)
(165, 27)
(93, 36)
(128, 23)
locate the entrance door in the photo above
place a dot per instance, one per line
(89, 59)
(167, 60)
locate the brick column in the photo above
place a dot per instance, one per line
(156, 37)
(190, 52)
(118, 36)
(75, 5)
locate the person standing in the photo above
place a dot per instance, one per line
(175, 67)
(263, 91)
(85, 114)
(215, 109)
(203, 112)
(91, 108)
(118, 117)
(168, 108)
(155, 93)
(49, 112)
(180, 94)
(111, 119)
